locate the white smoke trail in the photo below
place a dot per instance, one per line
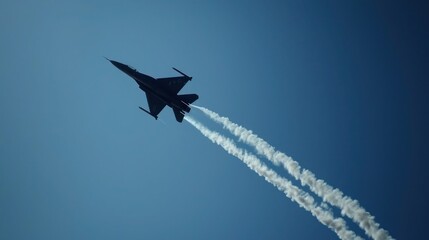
(304, 200)
(335, 197)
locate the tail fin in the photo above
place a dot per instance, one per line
(188, 98)
(179, 115)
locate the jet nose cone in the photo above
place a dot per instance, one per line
(115, 63)
(121, 66)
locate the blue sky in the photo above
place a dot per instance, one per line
(339, 86)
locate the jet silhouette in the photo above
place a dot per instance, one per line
(161, 91)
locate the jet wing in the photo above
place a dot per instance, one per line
(155, 105)
(173, 84)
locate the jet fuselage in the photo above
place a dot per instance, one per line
(149, 85)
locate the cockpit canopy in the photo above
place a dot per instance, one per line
(133, 68)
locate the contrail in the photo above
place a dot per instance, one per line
(304, 200)
(335, 197)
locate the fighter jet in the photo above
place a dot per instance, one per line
(161, 91)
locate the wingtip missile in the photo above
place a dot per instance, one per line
(156, 117)
(175, 69)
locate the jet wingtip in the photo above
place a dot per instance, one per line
(177, 70)
(148, 112)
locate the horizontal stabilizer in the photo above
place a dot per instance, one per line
(188, 98)
(179, 115)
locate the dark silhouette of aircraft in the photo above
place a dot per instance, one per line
(161, 91)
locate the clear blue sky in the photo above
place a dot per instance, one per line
(339, 86)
